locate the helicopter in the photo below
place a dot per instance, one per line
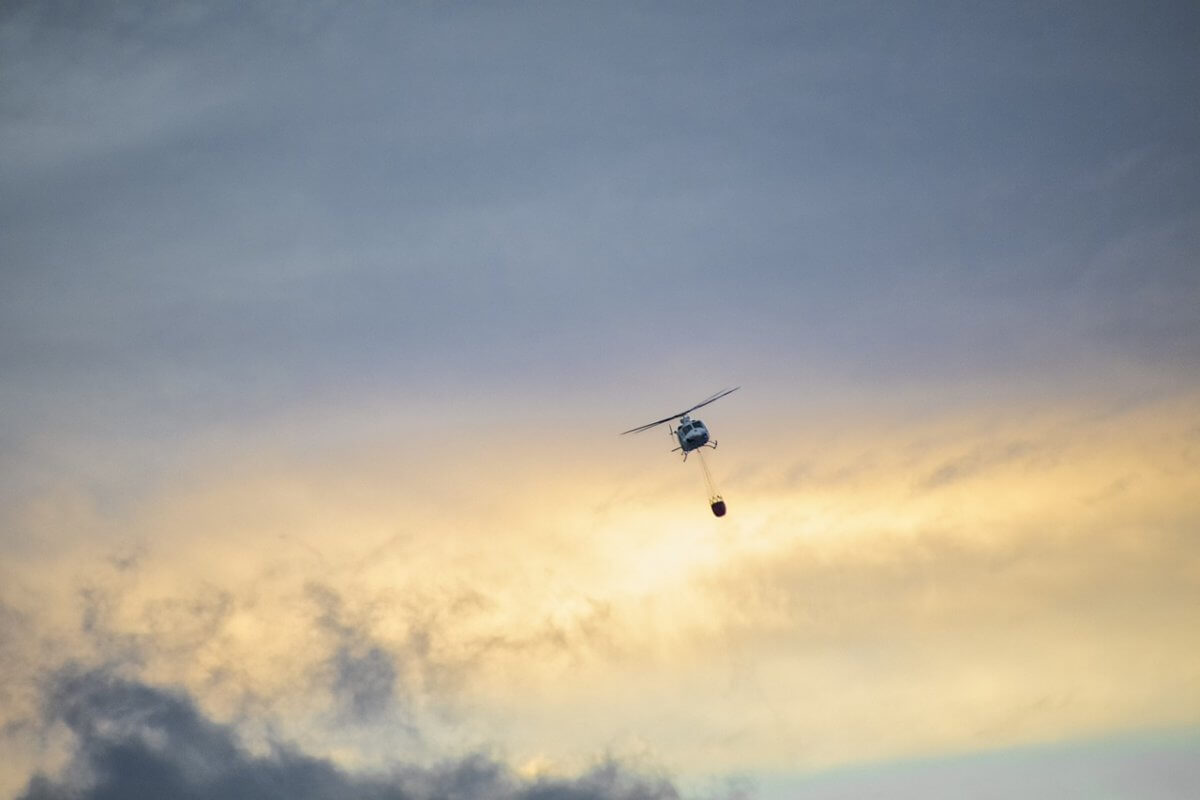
(692, 436)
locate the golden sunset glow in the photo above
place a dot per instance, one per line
(926, 590)
(320, 326)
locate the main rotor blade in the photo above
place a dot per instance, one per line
(649, 425)
(716, 396)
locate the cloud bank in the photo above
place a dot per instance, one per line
(133, 741)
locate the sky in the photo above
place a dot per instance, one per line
(319, 324)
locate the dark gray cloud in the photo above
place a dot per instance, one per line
(364, 679)
(135, 741)
(361, 672)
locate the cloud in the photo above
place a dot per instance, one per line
(361, 672)
(324, 602)
(134, 740)
(283, 284)
(975, 461)
(262, 200)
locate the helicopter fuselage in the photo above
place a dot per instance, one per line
(691, 434)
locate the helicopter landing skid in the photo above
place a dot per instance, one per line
(711, 444)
